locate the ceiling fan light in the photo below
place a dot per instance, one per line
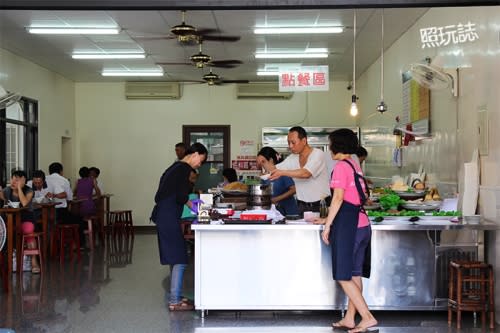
(183, 29)
(200, 58)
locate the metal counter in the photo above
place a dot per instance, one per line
(288, 267)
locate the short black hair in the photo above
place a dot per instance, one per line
(39, 174)
(300, 131)
(197, 148)
(361, 152)
(270, 153)
(19, 174)
(55, 167)
(95, 170)
(343, 141)
(84, 172)
(230, 174)
(180, 145)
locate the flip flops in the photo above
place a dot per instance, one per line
(182, 306)
(338, 326)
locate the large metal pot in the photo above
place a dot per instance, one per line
(259, 196)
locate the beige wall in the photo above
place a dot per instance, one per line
(132, 141)
(56, 99)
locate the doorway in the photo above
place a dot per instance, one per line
(217, 140)
(67, 158)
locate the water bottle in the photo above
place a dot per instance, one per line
(323, 209)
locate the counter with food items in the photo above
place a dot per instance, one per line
(255, 266)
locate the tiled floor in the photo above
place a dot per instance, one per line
(124, 291)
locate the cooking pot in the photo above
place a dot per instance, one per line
(260, 189)
(259, 196)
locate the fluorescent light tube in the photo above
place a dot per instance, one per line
(108, 56)
(131, 73)
(298, 30)
(73, 31)
(268, 73)
(290, 55)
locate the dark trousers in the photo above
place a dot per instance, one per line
(311, 206)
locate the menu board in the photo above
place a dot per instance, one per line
(416, 106)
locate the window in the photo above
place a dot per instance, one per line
(18, 138)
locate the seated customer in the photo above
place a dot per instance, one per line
(94, 173)
(83, 191)
(283, 187)
(38, 184)
(19, 192)
(60, 191)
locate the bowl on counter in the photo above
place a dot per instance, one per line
(411, 195)
(424, 205)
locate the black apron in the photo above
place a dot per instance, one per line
(343, 235)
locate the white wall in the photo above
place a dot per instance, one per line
(56, 100)
(132, 141)
(479, 64)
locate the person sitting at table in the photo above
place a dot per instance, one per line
(94, 173)
(83, 191)
(19, 192)
(38, 184)
(60, 192)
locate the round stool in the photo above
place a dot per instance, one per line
(36, 251)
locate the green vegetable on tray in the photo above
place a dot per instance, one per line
(450, 213)
(376, 213)
(388, 201)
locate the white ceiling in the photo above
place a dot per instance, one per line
(54, 51)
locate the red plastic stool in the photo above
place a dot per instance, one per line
(37, 251)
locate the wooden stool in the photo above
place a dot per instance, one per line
(471, 288)
(121, 221)
(37, 251)
(90, 232)
(68, 234)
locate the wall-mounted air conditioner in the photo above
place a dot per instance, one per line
(261, 90)
(152, 90)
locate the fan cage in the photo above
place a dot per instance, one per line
(3, 233)
(429, 76)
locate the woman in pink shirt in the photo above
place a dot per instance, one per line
(347, 229)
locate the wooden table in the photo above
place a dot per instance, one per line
(13, 217)
(48, 211)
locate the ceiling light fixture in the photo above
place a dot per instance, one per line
(268, 73)
(131, 73)
(108, 56)
(298, 30)
(73, 30)
(354, 98)
(290, 55)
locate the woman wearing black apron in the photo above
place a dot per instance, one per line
(347, 229)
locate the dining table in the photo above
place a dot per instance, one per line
(48, 221)
(13, 221)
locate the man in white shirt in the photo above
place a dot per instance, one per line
(60, 191)
(307, 167)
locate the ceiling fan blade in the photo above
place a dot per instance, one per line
(234, 81)
(216, 38)
(226, 62)
(156, 38)
(174, 63)
(205, 31)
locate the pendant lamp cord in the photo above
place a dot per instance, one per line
(354, 57)
(382, 60)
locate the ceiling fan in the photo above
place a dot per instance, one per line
(201, 60)
(188, 34)
(213, 79)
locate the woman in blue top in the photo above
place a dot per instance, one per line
(283, 187)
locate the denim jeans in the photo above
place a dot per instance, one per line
(176, 280)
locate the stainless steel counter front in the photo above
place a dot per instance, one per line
(288, 267)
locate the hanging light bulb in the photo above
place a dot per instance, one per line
(354, 107)
(382, 107)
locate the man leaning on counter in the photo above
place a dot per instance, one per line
(306, 165)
